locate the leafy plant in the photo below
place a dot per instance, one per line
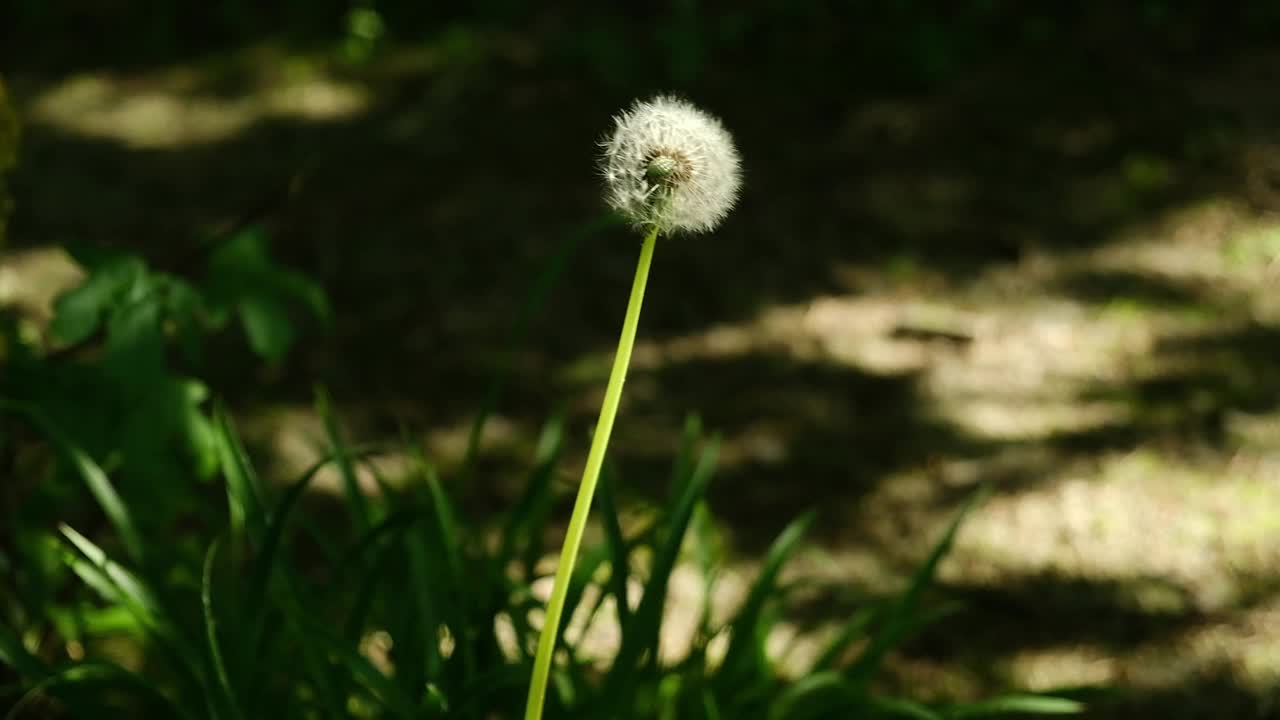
(127, 344)
(421, 613)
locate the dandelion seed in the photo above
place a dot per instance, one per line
(670, 166)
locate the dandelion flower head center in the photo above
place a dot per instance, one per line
(670, 166)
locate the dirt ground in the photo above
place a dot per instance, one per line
(1060, 283)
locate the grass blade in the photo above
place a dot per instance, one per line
(445, 538)
(244, 491)
(619, 566)
(583, 572)
(643, 633)
(97, 671)
(423, 591)
(211, 634)
(897, 707)
(346, 468)
(130, 588)
(682, 466)
(366, 592)
(267, 559)
(745, 635)
(710, 708)
(397, 520)
(120, 587)
(94, 477)
(899, 617)
(326, 683)
(254, 608)
(706, 553)
(848, 633)
(1017, 704)
(527, 517)
(443, 516)
(363, 671)
(811, 697)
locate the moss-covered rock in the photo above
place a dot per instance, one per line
(8, 156)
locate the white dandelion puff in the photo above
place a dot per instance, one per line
(670, 166)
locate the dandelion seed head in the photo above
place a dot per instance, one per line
(671, 166)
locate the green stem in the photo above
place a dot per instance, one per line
(587, 489)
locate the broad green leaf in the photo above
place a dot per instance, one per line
(186, 316)
(79, 312)
(268, 326)
(133, 353)
(272, 301)
(126, 399)
(165, 442)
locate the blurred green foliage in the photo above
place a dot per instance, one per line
(119, 375)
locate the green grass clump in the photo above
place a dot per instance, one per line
(147, 571)
(399, 610)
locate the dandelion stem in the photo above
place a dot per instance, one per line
(587, 489)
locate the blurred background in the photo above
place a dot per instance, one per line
(1020, 243)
